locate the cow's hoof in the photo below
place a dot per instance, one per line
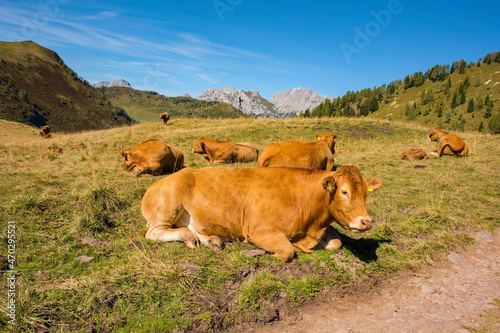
(191, 244)
(215, 243)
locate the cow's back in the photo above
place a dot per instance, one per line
(313, 155)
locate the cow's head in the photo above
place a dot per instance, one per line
(199, 148)
(330, 140)
(434, 134)
(130, 161)
(348, 191)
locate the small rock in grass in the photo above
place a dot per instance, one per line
(91, 241)
(253, 253)
(84, 258)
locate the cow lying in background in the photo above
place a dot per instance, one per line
(165, 117)
(414, 154)
(53, 151)
(45, 132)
(78, 146)
(281, 210)
(225, 151)
(448, 143)
(312, 155)
(152, 157)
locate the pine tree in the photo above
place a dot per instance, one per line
(480, 102)
(471, 107)
(463, 97)
(497, 58)
(455, 101)
(481, 127)
(463, 65)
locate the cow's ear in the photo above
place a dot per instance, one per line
(373, 184)
(329, 184)
(318, 137)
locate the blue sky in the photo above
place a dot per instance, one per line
(174, 47)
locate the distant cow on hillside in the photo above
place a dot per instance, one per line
(78, 146)
(165, 117)
(45, 132)
(53, 151)
(299, 154)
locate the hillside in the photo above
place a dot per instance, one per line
(37, 88)
(457, 97)
(147, 105)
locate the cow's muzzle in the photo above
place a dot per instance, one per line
(361, 224)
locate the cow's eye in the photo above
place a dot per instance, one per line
(345, 193)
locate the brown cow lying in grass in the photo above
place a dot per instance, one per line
(414, 154)
(45, 132)
(165, 117)
(53, 151)
(78, 146)
(448, 143)
(313, 155)
(281, 210)
(152, 157)
(225, 151)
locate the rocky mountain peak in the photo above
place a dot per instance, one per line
(114, 83)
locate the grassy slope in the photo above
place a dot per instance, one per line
(141, 287)
(478, 86)
(55, 95)
(143, 105)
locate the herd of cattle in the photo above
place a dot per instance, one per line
(284, 205)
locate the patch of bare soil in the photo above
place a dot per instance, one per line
(452, 295)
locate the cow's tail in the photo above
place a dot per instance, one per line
(139, 234)
(465, 151)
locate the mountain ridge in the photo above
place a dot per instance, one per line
(282, 104)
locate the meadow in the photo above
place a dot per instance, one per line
(424, 209)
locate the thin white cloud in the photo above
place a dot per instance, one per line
(102, 16)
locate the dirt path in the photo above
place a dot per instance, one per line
(450, 296)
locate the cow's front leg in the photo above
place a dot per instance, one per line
(330, 240)
(273, 241)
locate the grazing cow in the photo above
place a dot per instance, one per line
(152, 157)
(165, 117)
(45, 132)
(414, 154)
(312, 155)
(79, 146)
(448, 143)
(225, 151)
(53, 151)
(281, 210)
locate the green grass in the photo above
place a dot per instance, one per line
(142, 286)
